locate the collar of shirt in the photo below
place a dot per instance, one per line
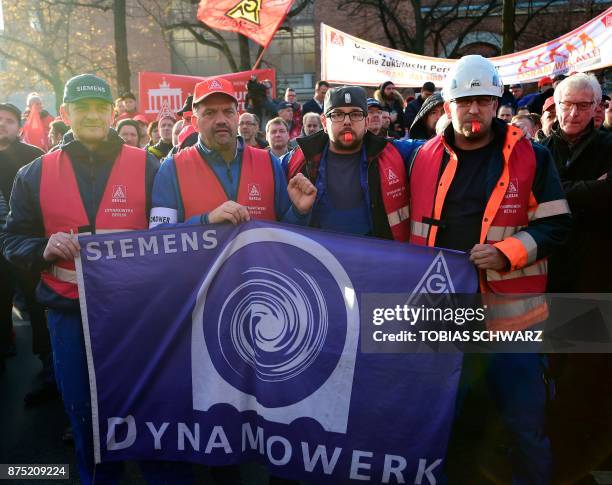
(214, 156)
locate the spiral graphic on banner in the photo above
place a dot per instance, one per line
(277, 324)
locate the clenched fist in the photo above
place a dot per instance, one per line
(487, 256)
(302, 193)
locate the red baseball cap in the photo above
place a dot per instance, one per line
(141, 118)
(544, 80)
(549, 103)
(212, 86)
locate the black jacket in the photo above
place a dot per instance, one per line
(12, 159)
(4, 208)
(23, 240)
(584, 263)
(311, 106)
(537, 103)
(160, 150)
(412, 108)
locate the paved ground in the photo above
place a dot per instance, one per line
(33, 435)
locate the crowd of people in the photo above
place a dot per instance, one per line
(521, 183)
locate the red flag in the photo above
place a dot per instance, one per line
(257, 19)
(33, 131)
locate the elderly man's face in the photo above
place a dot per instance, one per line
(312, 124)
(247, 127)
(575, 110)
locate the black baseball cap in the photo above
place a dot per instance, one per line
(516, 85)
(12, 108)
(186, 106)
(284, 105)
(87, 86)
(345, 97)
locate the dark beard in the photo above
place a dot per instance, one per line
(7, 140)
(354, 146)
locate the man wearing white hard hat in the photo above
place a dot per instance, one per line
(482, 188)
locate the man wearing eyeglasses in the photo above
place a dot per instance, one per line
(361, 178)
(583, 155)
(482, 188)
(248, 129)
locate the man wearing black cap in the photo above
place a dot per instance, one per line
(515, 98)
(415, 105)
(374, 117)
(93, 182)
(285, 111)
(14, 154)
(360, 178)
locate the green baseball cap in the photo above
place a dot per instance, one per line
(87, 86)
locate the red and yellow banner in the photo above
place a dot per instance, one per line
(158, 88)
(346, 59)
(257, 19)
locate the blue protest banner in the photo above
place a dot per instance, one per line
(221, 344)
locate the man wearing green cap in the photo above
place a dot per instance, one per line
(92, 183)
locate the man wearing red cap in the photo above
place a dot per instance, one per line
(242, 182)
(549, 116)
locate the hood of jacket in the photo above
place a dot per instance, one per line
(418, 130)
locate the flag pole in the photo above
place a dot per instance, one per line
(256, 65)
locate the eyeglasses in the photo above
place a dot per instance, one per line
(482, 101)
(581, 106)
(340, 116)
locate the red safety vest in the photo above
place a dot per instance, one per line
(510, 207)
(122, 208)
(393, 181)
(202, 192)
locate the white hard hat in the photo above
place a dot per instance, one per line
(472, 76)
